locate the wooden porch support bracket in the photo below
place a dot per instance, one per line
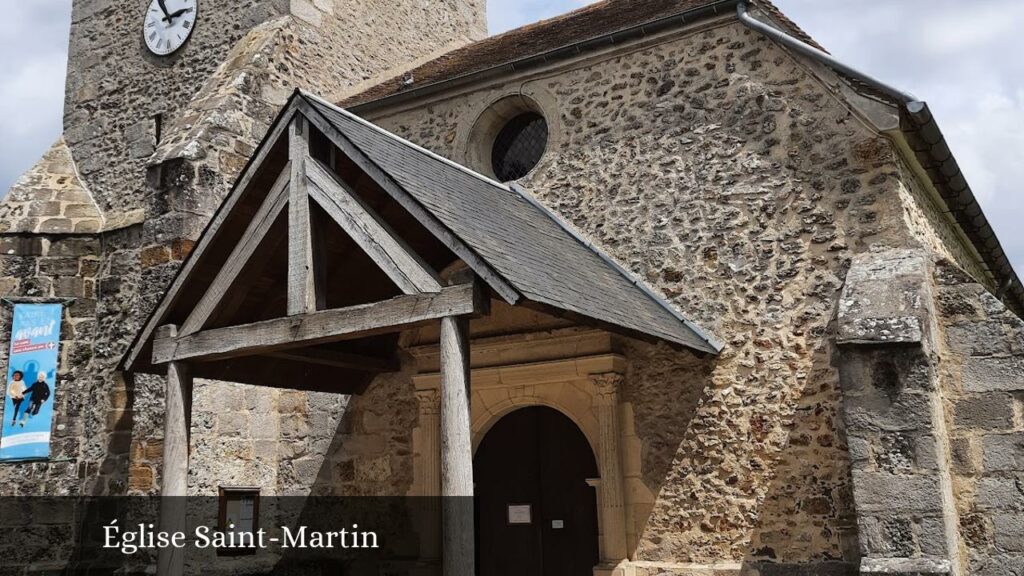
(303, 330)
(245, 181)
(388, 184)
(405, 268)
(265, 217)
(174, 477)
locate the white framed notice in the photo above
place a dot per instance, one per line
(520, 514)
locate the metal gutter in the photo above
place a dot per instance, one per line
(715, 8)
(825, 58)
(716, 344)
(932, 152)
(926, 139)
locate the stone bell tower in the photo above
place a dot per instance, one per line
(152, 142)
(123, 100)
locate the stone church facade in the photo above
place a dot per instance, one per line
(865, 413)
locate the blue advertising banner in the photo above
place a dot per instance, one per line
(31, 382)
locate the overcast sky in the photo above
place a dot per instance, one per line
(963, 58)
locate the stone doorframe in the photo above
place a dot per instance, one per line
(585, 389)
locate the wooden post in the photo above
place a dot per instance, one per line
(302, 297)
(174, 478)
(456, 450)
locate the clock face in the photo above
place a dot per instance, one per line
(168, 24)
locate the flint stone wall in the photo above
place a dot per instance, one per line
(733, 180)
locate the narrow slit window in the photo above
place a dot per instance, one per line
(158, 128)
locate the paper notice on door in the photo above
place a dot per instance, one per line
(519, 514)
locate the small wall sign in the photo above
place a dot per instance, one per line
(519, 514)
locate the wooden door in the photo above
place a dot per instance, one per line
(536, 515)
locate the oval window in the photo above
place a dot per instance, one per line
(519, 146)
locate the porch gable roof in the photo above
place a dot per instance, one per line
(515, 245)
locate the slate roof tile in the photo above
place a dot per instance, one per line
(521, 240)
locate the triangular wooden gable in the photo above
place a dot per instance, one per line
(335, 220)
(290, 202)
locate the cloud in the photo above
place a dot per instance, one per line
(33, 45)
(505, 15)
(951, 31)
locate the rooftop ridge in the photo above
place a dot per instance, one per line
(551, 35)
(403, 141)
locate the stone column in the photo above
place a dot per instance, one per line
(612, 501)
(456, 450)
(174, 478)
(428, 471)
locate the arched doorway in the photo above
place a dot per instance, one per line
(536, 514)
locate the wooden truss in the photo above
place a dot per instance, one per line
(195, 348)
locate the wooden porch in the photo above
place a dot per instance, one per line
(328, 248)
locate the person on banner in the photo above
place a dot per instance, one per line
(16, 390)
(40, 393)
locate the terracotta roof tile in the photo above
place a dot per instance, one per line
(593, 21)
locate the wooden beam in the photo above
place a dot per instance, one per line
(318, 236)
(284, 374)
(337, 359)
(378, 240)
(174, 475)
(321, 327)
(410, 204)
(265, 217)
(237, 192)
(456, 449)
(302, 286)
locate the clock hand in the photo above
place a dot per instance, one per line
(163, 6)
(174, 15)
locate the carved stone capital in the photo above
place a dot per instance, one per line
(607, 386)
(429, 401)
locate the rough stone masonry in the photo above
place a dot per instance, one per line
(866, 415)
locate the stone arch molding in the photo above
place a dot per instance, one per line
(586, 422)
(490, 114)
(586, 390)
